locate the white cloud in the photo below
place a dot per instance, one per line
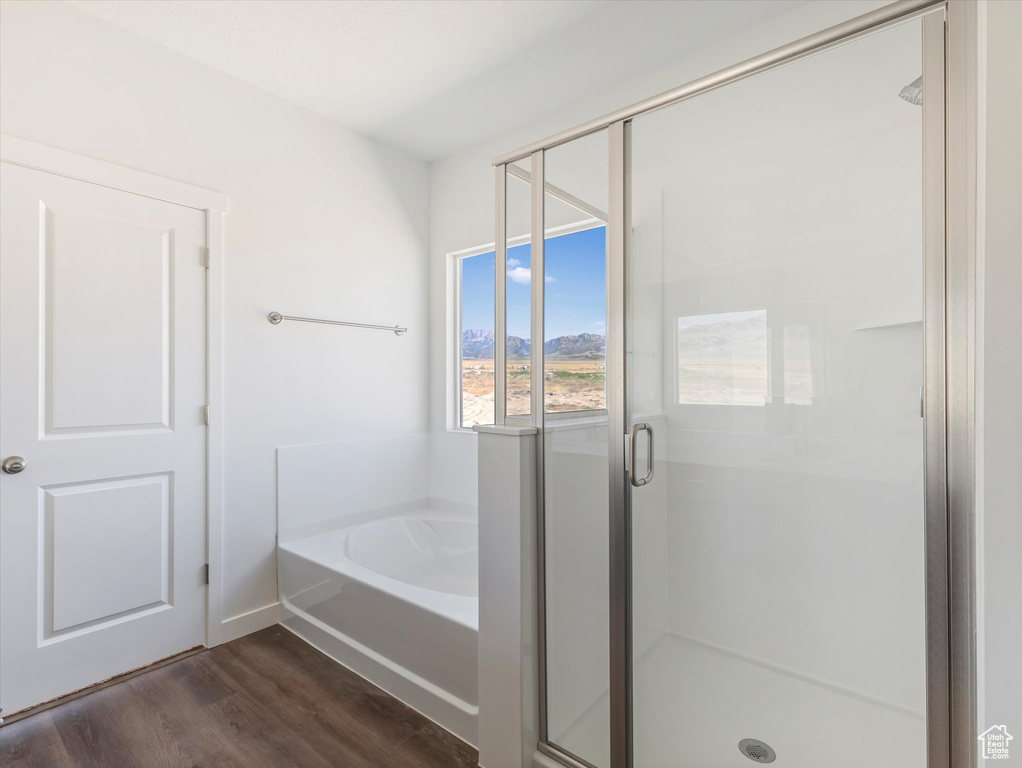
(521, 275)
(599, 324)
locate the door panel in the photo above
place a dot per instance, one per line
(102, 359)
(90, 385)
(106, 550)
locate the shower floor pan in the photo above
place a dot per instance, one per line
(693, 704)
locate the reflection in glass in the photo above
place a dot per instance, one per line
(729, 358)
(722, 359)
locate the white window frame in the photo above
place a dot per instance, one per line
(454, 338)
(454, 341)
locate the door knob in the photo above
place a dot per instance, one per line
(12, 465)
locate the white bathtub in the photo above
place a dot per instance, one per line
(396, 600)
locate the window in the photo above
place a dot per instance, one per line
(475, 323)
(575, 319)
(575, 322)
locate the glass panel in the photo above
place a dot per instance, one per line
(519, 299)
(575, 457)
(575, 315)
(476, 307)
(775, 344)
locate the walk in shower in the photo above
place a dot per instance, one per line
(743, 542)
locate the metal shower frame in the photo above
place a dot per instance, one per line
(949, 205)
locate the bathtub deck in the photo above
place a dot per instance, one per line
(265, 701)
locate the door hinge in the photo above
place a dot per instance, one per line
(205, 574)
(205, 257)
(205, 415)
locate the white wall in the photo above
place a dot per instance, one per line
(324, 486)
(323, 222)
(999, 383)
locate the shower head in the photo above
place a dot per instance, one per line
(913, 92)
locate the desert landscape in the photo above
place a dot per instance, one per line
(574, 375)
(570, 385)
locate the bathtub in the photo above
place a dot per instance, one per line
(396, 600)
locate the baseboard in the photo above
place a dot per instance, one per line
(247, 623)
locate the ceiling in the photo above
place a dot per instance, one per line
(432, 77)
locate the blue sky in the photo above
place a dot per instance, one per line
(576, 286)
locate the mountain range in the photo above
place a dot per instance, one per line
(478, 345)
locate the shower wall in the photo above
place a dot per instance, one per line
(746, 228)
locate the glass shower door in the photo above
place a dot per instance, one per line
(774, 319)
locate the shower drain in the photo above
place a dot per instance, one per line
(757, 751)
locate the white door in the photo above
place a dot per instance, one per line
(102, 381)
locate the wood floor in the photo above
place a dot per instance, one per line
(268, 700)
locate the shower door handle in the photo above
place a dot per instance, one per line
(637, 481)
